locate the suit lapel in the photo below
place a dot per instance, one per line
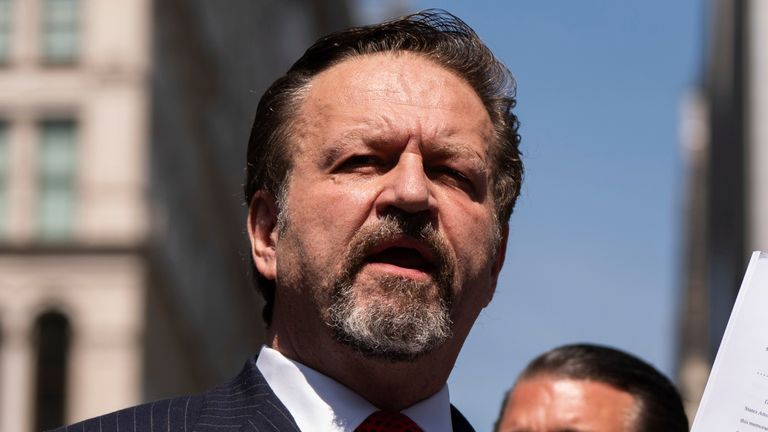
(459, 423)
(246, 403)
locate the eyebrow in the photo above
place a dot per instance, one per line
(445, 149)
(455, 151)
(331, 153)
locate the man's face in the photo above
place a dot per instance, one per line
(544, 403)
(387, 231)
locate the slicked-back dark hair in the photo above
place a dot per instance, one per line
(659, 407)
(434, 34)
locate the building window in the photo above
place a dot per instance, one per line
(5, 30)
(52, 341)
(3, 178)
(60, 31)
(57, 179)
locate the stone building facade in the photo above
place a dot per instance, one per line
(726, 142)
(123, 257)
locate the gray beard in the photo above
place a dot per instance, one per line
(411, 328)
(414, 321)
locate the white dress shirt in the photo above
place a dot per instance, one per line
(319, 403)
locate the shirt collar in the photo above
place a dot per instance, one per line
(319, 403)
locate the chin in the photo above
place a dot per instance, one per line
(399, 320)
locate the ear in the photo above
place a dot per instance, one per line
(501, 253)
(262, 230)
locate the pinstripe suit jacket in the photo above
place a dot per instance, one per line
(246, 403)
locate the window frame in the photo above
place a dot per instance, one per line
(70, 28)
(51, 183)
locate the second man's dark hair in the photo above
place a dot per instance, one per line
(659, 407)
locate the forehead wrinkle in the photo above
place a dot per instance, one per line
(433, 105)
(381, 131)
(399, 98)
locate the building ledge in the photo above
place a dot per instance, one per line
(37, 249)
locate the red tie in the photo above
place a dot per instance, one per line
(388, 421)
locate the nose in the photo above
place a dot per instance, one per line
(406, 187)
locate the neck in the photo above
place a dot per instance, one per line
(387, 385)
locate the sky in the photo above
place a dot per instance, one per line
(594, 253)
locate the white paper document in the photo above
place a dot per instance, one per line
(736, 396)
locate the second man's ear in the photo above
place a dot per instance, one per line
(262, 231)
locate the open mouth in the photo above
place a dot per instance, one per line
(405, 254)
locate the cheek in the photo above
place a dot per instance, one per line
(354, 200)
(327, 215)
(472, 233)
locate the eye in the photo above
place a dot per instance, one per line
(361, 163)
(453, 177)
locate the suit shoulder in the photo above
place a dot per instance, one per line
(168, 414)
(230, 405)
